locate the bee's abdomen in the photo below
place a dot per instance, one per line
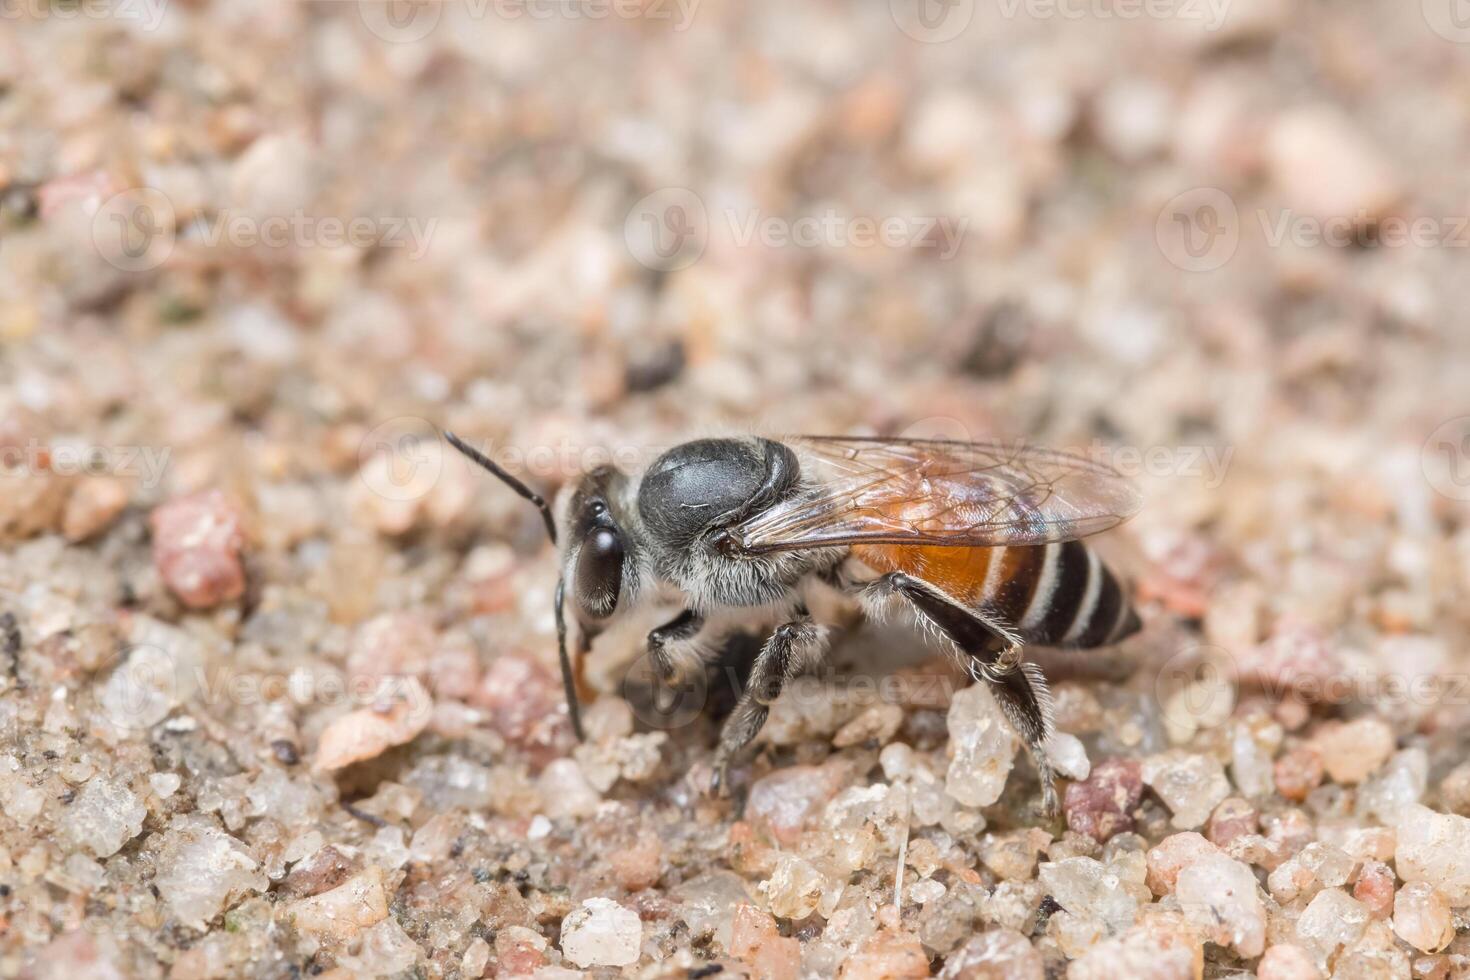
(1070, 597)
(1054, 595)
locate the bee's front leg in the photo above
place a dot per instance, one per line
(684, 626)
(780, 658)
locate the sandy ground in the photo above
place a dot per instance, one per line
(277, 670)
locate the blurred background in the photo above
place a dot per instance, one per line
(253, 256)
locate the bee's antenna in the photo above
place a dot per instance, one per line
(568, 679)
(508, 480)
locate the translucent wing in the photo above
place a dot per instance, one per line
(938, 492)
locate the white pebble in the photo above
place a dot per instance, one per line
(1421, 917)
(1435, 847)
(600, 932)
(1190, 785)
(1067, 755)
(104, 817)
(165, 784)
(981, 748)
(1219, 896)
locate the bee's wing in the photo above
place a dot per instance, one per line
(937, 492)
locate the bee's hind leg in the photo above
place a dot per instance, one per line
(784, 653)
(995, 657)
(1023, 697)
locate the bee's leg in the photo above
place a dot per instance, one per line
(995, 657)
(666, 653)
(682, 627)
(782, 655)
(1026, 702)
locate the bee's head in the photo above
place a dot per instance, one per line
(595, 556)
(596, 553)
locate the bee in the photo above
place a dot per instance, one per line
(980, 543)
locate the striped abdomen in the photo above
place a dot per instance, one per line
(1053, 595)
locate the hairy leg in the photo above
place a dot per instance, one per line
(994, 657)
(663, 642)
(782, 655)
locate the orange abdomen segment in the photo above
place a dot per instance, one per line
(1051, 594)
(960, 572)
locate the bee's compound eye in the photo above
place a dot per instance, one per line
(600, 572)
